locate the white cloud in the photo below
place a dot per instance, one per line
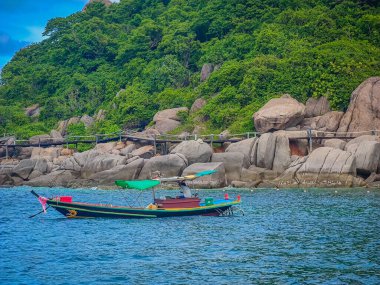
(35, 34)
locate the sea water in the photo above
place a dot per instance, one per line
(293, 236)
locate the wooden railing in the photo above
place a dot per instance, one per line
(144, 138)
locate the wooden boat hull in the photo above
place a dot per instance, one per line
(84, 210)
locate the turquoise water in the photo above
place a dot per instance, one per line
(321, 236)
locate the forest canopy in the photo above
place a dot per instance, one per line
(155, 49)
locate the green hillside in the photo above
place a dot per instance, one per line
(155, 50)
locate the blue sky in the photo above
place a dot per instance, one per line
(22, 22)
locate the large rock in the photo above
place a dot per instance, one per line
(215, 180)
(233, 164)
(358, 140)
(5, 173)
(62, 126)
(245, 147)
(33, 111)
(328, 122)
(197, 105)
(24, 152)
(265, 151)
(87, 120)
(198, 129)
(367, 154)
(363, 113)
(24, 168)
(297, 146)
(100, 163)
(56, 136)
(40, 139)
(144, 152)
(171, 114)
(255, 175)
(47, 153)
(250, 175)
(279, 114)
(67, 152)
(194, 151)
(42, 167)
(289, 177)
(5, 179)
(53, 179)
(128, 149)
(7, 151)
(7, 140)
(105, 147)
(265, 174)
(101, 115)
(324, 167)
(85, 157)
(167, 120)
(31, 168)
(282, 153)
(335, 143)
(168, 166)
(206, 71)
(148, 133)
(104, 2)
(316, 107)
(70, 164)
(166, 125)
(73, 121)
(130, 171)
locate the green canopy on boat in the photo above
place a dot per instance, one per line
(137, 184)
(146, 184)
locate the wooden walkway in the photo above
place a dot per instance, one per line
(142, 140)
(309, 135)
(161, 140)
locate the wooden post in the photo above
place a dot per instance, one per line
(310, 140)
(211, 139)
(154, 144)
(6, 151)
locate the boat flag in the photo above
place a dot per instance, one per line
(43, 203)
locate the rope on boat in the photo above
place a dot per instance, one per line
(240, 210)
(32, 216)
(225, 213)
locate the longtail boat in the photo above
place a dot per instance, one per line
(183, 205)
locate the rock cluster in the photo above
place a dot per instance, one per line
(273, 159)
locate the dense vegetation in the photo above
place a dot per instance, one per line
(155, 49)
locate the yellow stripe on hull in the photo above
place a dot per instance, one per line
(102, 212)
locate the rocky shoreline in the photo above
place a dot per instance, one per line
(277, 158)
